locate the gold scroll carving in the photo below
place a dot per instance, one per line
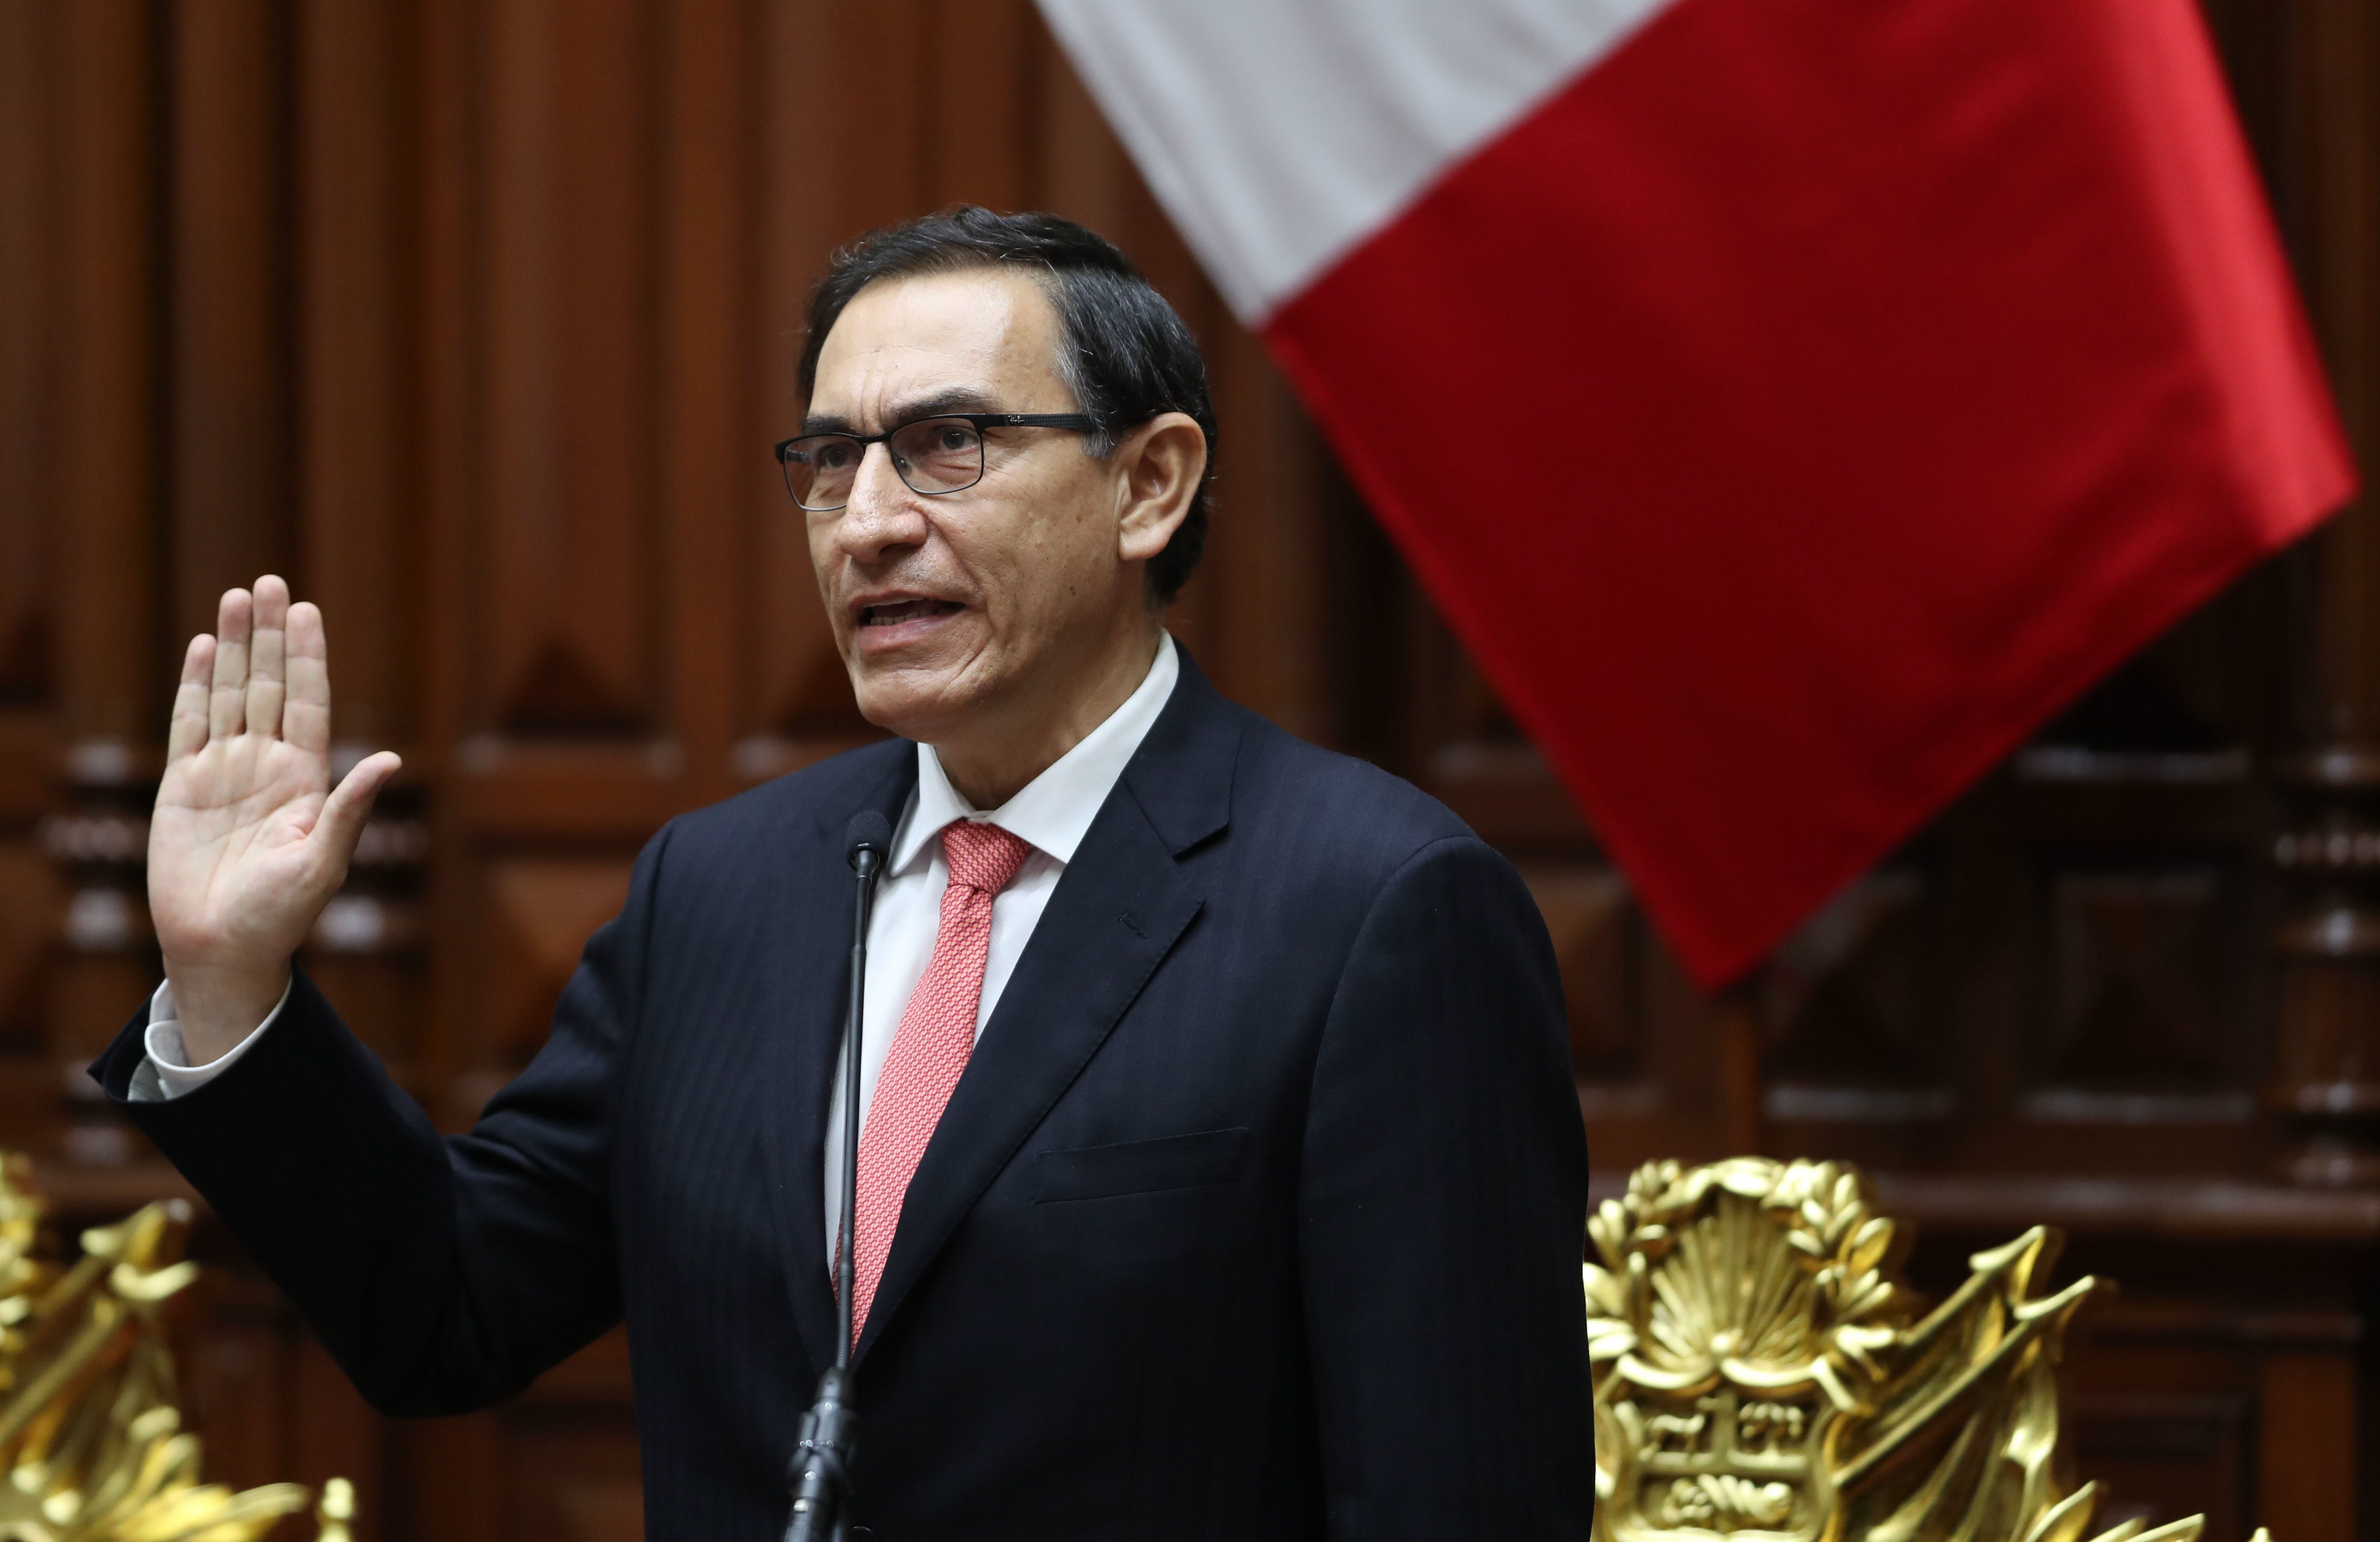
(91, 1442)
(1762, 1373)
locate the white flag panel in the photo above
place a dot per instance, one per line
(1279, 134)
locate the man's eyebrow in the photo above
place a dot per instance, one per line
(958, 398)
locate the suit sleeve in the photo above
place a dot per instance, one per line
(1443, 1198)
(443, 1274)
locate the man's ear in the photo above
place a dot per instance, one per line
(1161, 463)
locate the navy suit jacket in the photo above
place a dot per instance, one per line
(1257, 1213)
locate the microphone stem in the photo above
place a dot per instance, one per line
(821, 1474)
(845, 1263)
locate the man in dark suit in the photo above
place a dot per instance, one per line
(1219, 1174)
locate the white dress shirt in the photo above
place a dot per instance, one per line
(1052, 815)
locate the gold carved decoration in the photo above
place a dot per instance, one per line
(1762, 1374)
(91, 1442)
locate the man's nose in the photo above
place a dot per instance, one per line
(881, 513)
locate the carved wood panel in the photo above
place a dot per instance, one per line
(27, 160)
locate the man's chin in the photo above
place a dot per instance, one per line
(912, 703)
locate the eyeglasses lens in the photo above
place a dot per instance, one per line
(937, 455)
(819, 469)
(933, 455)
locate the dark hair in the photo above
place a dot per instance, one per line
(1121, 350)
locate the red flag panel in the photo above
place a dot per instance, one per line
(1814, 397)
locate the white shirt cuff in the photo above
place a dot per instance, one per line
(165, 1073)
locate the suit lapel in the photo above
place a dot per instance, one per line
(1117, 911)
(810, 968)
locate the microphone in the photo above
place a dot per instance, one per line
(820, 1473)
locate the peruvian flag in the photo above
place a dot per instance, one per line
(1792, 403)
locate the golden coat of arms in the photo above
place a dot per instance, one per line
(1761, 1374)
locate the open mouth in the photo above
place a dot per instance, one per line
(892, 613)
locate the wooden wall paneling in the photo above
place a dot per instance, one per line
(445, 123)
(2167, 1421)
(875, 158)
(560, 665)
(2306, 1453)
(794, 699)
(267, 1402)
(2161, 1456)
(571, 1439)
(1667, 1104)
(1262, 599)
(231, 378)
(568, 589)
(105, 547)
(2223, 1375)
(558, 1461)
(235, 1364)
(2337, 134)
(358, 528)
(30, 902)
(571, 1459)
(543, 910)
(977, 95)
(2137, 981)
(357, 533)
(333, 1433)
(453, 1480)
(1460, 745)
(28, 156)
(1851, 1056)
(2327, 1088)
(1841, 1003)
(585, 275)
(1081, 171)
(712, 432)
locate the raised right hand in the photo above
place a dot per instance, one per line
(250, 840)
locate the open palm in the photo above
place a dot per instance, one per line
(250, 839)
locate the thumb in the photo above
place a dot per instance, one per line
(350, 802)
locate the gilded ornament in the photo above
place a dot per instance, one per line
(91, 1441)
(1762, 1375)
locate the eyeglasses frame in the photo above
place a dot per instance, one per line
(1080, 422)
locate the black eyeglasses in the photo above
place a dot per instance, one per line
(933, 455)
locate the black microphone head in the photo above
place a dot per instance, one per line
(866, 831)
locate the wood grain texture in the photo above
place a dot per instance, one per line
(572, 604)
(358, 526)
(29, 124)
(108, 554)
(230, 489)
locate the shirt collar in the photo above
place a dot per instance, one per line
(1054, 810)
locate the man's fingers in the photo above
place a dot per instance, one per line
(188, 733)
(350, 802)
(306, 714)
(227, 702)
(264, 656)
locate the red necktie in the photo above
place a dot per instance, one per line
(937, 1035)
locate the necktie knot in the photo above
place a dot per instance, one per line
(982, 856)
